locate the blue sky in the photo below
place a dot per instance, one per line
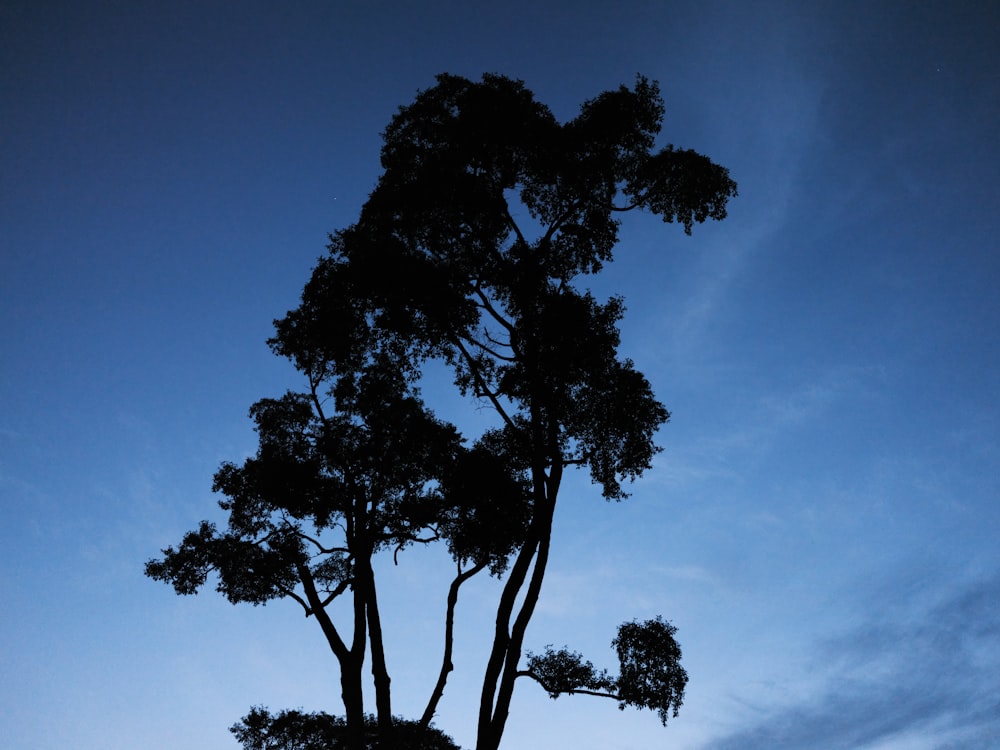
(822, 525)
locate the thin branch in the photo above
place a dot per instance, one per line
(488, 350)
(487, 305)
(638, 203)
(568, 691)
(449, 638)
(341, 588)
(319, 547)
(482, 385)
(292, 595)
(337, 644)
(424, 539)
(513, 224)
(509, 344)
(414, 540)
(313, 384)
(560, 220)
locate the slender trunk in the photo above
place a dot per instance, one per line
(501, 668)
(508, 598)
(354, 707)
(500, 653)
(349, 659)
(501, 638)
(380, 673)
(493, 718)
(449, 636)
(356, 723)
(505, 691)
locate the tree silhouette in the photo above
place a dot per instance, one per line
(295, 730)
(470, 251)
(329, 489)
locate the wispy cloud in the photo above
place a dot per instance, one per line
(926, 677)
(768, 172)
(768, 415)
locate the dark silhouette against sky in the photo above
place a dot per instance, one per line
(821, 525)
(437, 271)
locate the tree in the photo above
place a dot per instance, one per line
(470, 250)
(325, 493)
(295, 730)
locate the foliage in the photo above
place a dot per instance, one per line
(364, 473)
(651, 672)
(295, 730)
(650, 676)
(564, 672)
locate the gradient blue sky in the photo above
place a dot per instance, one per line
(823, 524)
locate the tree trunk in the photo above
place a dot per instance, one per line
(380, 673)
(498, 687)
(501, 639)
(349, 659)
(354, 706)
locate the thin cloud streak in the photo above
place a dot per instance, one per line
(929, 673)
(762, 214)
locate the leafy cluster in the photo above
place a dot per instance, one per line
(651, 675)
(563, 672)
(296, 730)
(367, 474)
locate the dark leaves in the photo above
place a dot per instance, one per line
(651, 673)
(565, 672)
(187, 567)
(297, 730)
(683, 186)
(248, 571)
(487, 497)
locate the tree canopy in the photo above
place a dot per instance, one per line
(297, 730)
(470, 250)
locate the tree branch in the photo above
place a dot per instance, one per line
(560, 220)
(337, 644)
(340, 589)
(320, 549)
(513, 224)
(482, 385)
(509, 343)
(494, 313)
(411, 539)
(488, 350)
(292, 595)
(631, 207)
(555, 693)
(449, 636)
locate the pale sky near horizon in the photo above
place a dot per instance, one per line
(822, 524)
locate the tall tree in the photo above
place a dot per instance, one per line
(472, 250)
(488, 213)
